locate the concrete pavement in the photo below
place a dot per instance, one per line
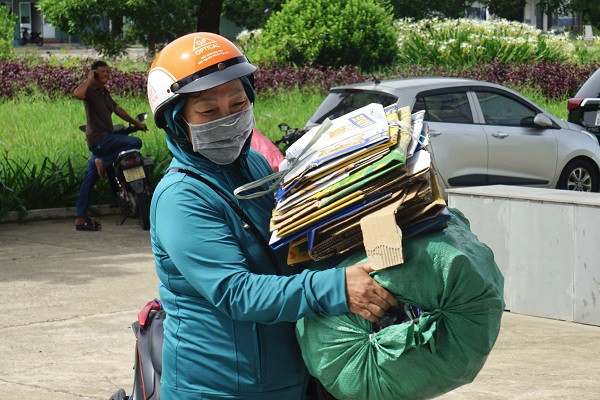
(67, 50)
(70, 298)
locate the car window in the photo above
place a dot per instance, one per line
(337, 104)
(498, 109)
(446, 107)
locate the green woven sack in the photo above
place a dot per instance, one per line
(453, 276)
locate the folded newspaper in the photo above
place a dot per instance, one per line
(363, 181)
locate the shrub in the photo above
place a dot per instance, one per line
(31, 185)
(27, 184)
(584, 51)
(465, 42)
(20, 77)
(330, 33)
(276, 77)
(554, 79)
(8, 21)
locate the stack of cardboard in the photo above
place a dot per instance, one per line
(363, 179)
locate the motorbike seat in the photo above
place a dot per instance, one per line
(148, 365)
(156, 343)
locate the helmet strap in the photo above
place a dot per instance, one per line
(170, 115)
(181, 141)
(248, 88)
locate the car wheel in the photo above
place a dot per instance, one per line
(580, 176)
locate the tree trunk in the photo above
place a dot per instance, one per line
(116, 27)
(151, 43)
(209, 16)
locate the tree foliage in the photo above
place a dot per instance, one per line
(99, 23)
(157, 22)
(589, 11)
(8, 21)
(251, 14)
(424, 9)
(553, 6)
(507, 9)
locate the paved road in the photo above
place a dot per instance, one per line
(66, 50)
(70, 298)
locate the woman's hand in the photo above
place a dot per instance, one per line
(365, 297)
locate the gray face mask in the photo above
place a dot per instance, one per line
(222, 140)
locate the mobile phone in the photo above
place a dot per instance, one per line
(95, 75)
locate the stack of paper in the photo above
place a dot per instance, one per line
(365, 163)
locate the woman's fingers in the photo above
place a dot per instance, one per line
(365, 296)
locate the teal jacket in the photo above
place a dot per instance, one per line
(229, 332)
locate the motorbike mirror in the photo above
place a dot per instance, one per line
(283, 127)
(141, 117)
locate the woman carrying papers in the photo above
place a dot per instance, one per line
(231, 301)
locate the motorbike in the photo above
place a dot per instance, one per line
(148, 331)
(290, 135)
(33, 37)
(129, 178)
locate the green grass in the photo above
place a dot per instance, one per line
(294, 108)
(557, 107)
(32, 128)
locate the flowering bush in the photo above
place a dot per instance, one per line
(466, 42)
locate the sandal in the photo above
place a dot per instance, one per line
(89, 225)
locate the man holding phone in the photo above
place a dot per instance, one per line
(102, 142)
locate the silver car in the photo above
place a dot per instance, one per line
(483, 133)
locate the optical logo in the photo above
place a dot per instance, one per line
(202, 44)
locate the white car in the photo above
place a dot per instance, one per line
(483, 133)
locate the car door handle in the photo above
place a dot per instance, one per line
(434, 133)
(500, 135)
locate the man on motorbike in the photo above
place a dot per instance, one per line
(102, 142)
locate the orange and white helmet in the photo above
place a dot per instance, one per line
(193, 62)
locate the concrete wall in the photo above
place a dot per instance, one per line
(546, 243)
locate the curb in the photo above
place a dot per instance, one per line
(56, 213)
